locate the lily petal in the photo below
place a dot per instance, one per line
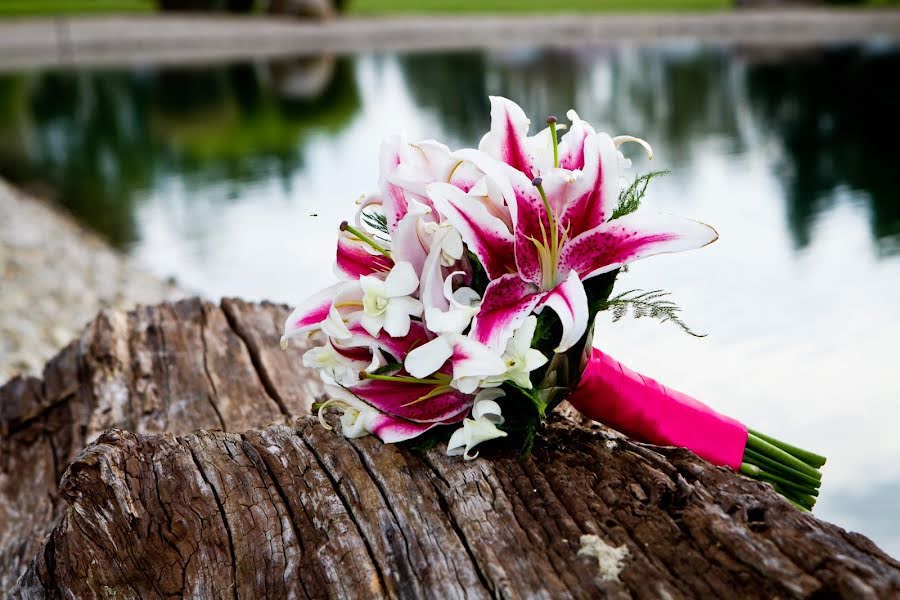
(394, 151)
(391, 430)
(508, 138)
(405, 242)
(629, 238)
(571, 146)
(594, 194)
(473, 362)
(397, 347)
(355, 259)
(360, 419)
(569, 301)
(413, 401)
(508, 300)
(487, 236)
(426, 161)
(310, 313)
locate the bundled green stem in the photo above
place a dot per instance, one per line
(794, 472)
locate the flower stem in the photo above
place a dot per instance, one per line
(345, 226)
(810, 458)
(403, 379)
(777, 454)
(778, 468)
(789, 469)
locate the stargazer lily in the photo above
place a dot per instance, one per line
(560, 196)
(359, 418)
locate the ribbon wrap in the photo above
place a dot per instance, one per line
(650, 412)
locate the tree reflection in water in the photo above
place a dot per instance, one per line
(100, 139)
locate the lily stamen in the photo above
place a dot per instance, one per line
(548, 270)
(551, 121)
(345, 226)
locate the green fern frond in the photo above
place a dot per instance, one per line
(630, 198)
(654, 304)
(375, 220)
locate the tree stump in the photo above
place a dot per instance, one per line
(187, 466)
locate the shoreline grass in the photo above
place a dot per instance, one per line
(47, 8)
(388, 7)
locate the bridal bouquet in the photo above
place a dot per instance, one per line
(468, 288)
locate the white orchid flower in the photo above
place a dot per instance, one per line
(388, 303)
(464, 304)
(471, 361)
(520, 358)
(481, 428)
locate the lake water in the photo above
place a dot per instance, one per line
(233, 179)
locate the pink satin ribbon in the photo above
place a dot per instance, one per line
(650, 412)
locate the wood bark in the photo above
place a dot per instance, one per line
(167, 454)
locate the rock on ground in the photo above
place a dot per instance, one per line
(54, 278)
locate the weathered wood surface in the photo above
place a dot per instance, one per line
(174, 367)
(265, 504)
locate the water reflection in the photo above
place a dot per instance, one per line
(838, 125)
(233, 178)
(100, 141)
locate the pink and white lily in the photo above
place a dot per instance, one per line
(561, 199)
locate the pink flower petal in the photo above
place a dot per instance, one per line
(508, 138)
(571, 146)
(485, 234)
(532, 222)
(404, 400)
(569, 301)
(594, 194)
(310, 313)
(393, 152)
(507, 301)
(630, 238)
(355, 259)
(392, 430)
(398, 347)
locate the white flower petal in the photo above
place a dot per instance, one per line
(488, 409)
(474, 359)
(396, 320)
(372, 324)
(457, 444)
(534, 359)
(401, 281)
(451, 321)
(428, 358)
(410, 306)
(334, 326)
